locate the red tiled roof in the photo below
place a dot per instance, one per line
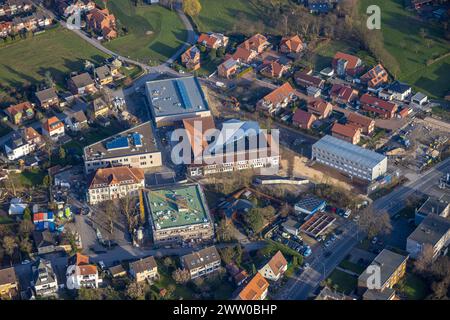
(342, 92)
(195, 136)
(293, 43)
(21, 107)
(255, 288)
(380, 103)
(277, 263)
(116, 175)
(319, 106)
(207, 39)
(359, 119)
(242, 54)
(344, 130)
(53, 124)
(280, 93)
(352, 61)
(303, 118)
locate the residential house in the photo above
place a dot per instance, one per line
(98, 108)
(69, 7)
(117, 271)
(77, 121)
(303, 119)
(21, 112)
(82, 84)
(17, 147)
(81, 273)
(31, 22)
(432, 205)
(274, 69)
(278, 98)
(375, 77)
(44, 283)
(228, 68)
(9, 8)
(144, 269)
(346, 64)
(201, 262)
(33, 137)
(103, 75)
(419, 99)
(47, 98)
(366, 124)
(434, 231)
(257, 43)
(102, 22)
(319, 6)
(343, 94)
(256, 289)
(114, 183)
(6, 28)
(400, 91)
(9, 286)
(244, 55)
(306, 80)
(346, 132)
(275, 268)
(320, 108)
(191, 58)
(292, 44)
(45, 242)
(53, 128)
(391, 267)
(213, 40)
(384, 109)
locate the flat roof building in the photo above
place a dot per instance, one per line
(349, 159)
(179, 214)
(172, 100)
(434, 231)
(135, 147)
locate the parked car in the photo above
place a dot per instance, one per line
(374, 240)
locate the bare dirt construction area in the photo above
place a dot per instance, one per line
(294, 165)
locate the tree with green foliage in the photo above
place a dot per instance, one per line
(27, 214)
(192, 7)
(25, 228)
(62, 153)
(47, 181)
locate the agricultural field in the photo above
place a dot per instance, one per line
(57, 50)
(405, 40)
(153, 33)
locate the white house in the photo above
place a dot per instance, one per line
(81, 274)
(400, 91)
(275, 268)
(44, 279)
(17, 147)
(53, 128)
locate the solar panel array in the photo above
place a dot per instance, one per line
(118, 143)
(183, 94)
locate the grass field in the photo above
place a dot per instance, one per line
(413, 287)
(57, 50)
(220, 16)
(154, 33)
(402, 38)
(344, 282)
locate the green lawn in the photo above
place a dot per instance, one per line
(345, 283)
(413, 287)
(32, 177)
(221, 16)
(402, 39)
(57, 50)
(154, 33)
(350, 266)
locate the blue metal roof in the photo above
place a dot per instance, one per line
(117, 143)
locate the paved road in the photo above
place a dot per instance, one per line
(301, 287)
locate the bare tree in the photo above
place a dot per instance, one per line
(425, 260)
(374, 223)
(136, 291)
(9, 245)
(128, 208)
(181, 276)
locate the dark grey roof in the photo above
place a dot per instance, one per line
(433, 205)
(43, 273)
(399, 87)
(310, 203)
(43, 238)
(79, 116)
(373, 294)
(200, 258)
(175, 96)
(82, 80)
(15, 141)
(148, 263)
(388, 262)
(102, 72)
(98, 104)
(47, 94)
(351, 152)
(431, 230)
(114, 270)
